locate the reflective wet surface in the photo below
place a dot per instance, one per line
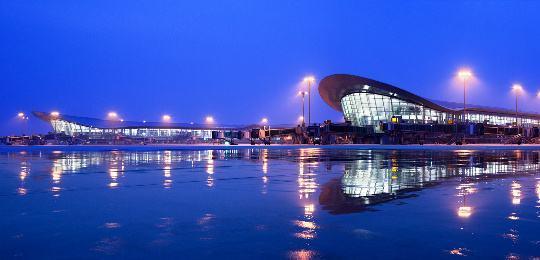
(297, 203)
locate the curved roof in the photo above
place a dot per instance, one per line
(113, 124)
(334, 87)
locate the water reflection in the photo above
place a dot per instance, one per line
(23, 174)
(516, 192)
(389, 176)
(314, 181)
(538, 192)
(464, 190)
(167, 160)
(307, 183)
(116, 166)
(368, 177)
(210, 171)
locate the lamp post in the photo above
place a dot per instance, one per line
(517, 90)
(309, 80)
(112, 115)
(303, 94)
(21, 116)
(166, 118)
(266, 126)
(464, 75)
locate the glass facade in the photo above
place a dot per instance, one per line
(70, 128)
(367, 108)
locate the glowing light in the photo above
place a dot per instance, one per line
(517, 88)
(209, 120)
(56, 172)
(20, 115)
(112, 115)
(210, 166)
(22, 191)
(55, 114)
(306, 224)
(458, 251)
(300, 118)
(167, 161)
(309, 209)
(309, 231)
(464, 212)
(538, 190)
(464, 74)
(302, 254)
(309, 79)
(265, 161)
(121, 120)
(513, 217)
(264, 120)
(166, 118)
(516, 193)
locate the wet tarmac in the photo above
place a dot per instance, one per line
(269, 203)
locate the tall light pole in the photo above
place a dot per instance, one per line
(464, 75)
(166, 118)
(303, 94)
(309, 80)
(112, 115)
(21, 116)
(517, 90)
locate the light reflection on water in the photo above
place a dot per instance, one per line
(324, 184)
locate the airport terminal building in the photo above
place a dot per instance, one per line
(366, 102)
(76, 125)
(370, 108)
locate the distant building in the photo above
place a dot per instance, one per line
(76, 125)
(365, 101)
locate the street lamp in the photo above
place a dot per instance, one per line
(264, 121)
(518, 89)
(55, 113)
(112, 115)
(309, 80)
(21, 116)
(303, 94)
(464, 75)
(209, 120)
(166, 118)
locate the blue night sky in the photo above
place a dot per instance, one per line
(243, 60)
